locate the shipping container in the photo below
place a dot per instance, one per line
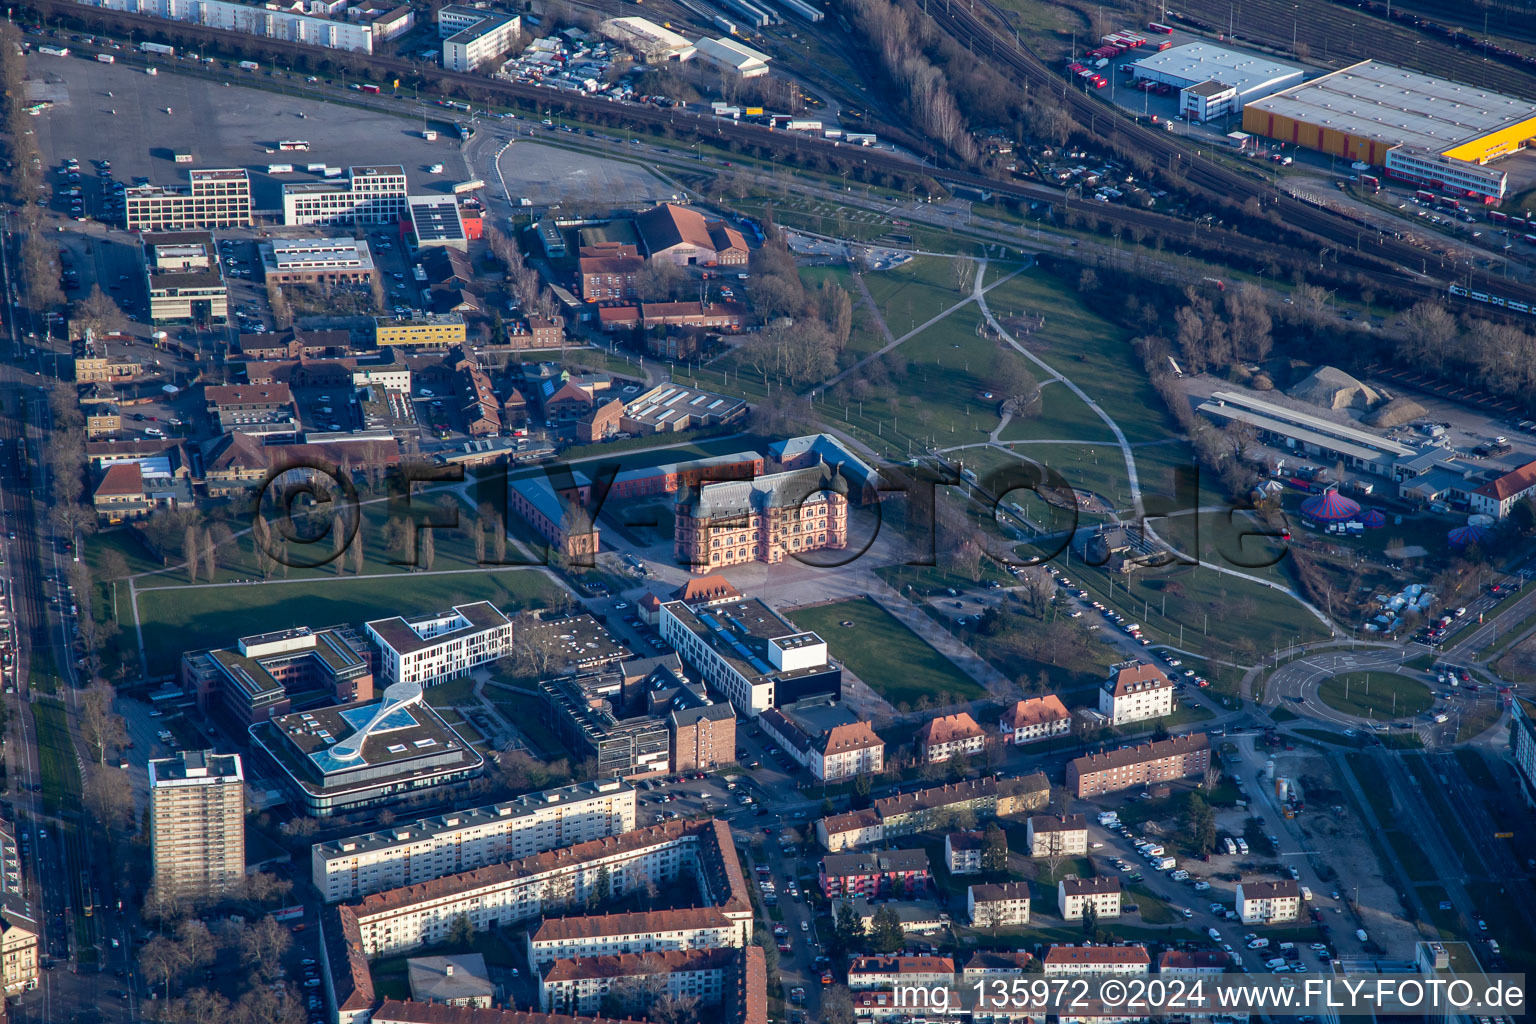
(1165, 44)
(472, 185)
(1162, 30)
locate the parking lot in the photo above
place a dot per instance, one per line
(138, 122)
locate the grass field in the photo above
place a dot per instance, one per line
(1062, 415)
(526, 711)
(179, 619)
(897, 663)
(1376, 695)
(56, 756)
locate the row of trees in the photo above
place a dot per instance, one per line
(894, 34)
(807, 327)
(523, 280)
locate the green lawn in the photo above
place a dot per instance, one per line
(178, 619)
(882, 651)
(1062, 415)
(56, 756)
(1376, 695)
(526, 711)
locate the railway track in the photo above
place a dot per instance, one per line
(1389, 260)
(1361, 247)
(1339, 32)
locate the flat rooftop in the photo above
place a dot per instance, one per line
(739, 633)
(1395, 105)
(407, 636)
(668, 402)
(436, 219)
(1203, 62)
(517, 807)
(408, 733)
(578, 640)
(1303, 426)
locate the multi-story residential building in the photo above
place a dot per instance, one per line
(962, 852)
(370, 195)
(1056, 835)
(1193, 963)
(197, 824)
(948, 736)
(1039, 718)
(838, 832)
(766, 519)
(19, 932)
(322, 261)
(1075, 895)
(902, 874)
(344, 758)
(1181, 757)
(432, 649)
(213, 198)
(1501, 494)
(748, 652)
(183, 277)
(925, 810)
(1268, 902)
(578, 985)
(826, 738)
(1134, 692)
(1097, 961)
(649, 931)
(252, 409)
(475, 36)
(427, 330)
(508, 892)
(884, 973)
(260, 675)
(313, 25)
(417, 852)
(987, 964)
(1004, 905)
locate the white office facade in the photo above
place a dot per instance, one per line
(288, 26)
(431, 649)
(370, 195)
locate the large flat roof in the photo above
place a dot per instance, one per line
(1303, 426)
(1203, 62)
(1395, 105)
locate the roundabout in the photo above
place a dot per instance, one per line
(1382, 694)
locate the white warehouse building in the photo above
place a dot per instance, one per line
(732, 57)
(1214, 81)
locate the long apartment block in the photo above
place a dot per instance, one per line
(432, 848)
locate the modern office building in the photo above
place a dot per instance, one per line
(322, 261)
(183, 277)
(212, 198)
(748, 652)
(197, 824)
(1213, 80)
(370, 195)
(473, 36)
(344, 758)
(259, 677)
(429, 330)
(416, 852)
(431, 649)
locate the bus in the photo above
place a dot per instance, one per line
(1371, 182)
(293, 146)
